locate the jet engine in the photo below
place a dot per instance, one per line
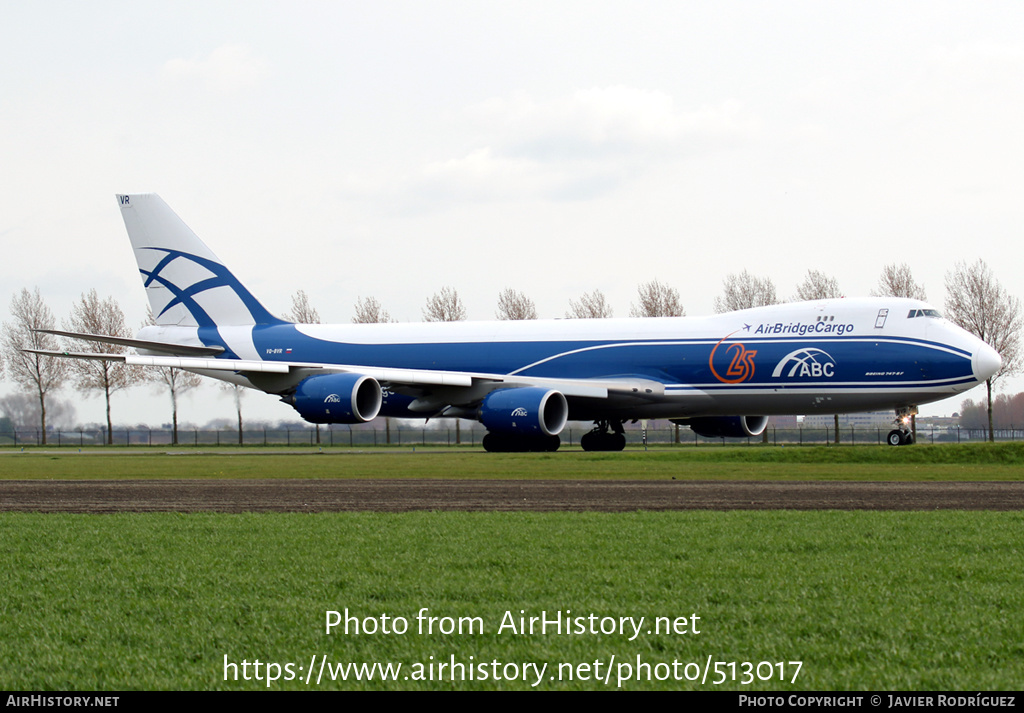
(337, 398)
(528, 411)
(726, 426)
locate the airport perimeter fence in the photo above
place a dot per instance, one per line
(403, 435)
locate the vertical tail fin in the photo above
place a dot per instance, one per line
(186, 283)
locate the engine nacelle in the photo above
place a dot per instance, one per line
(528, 411)
(727, 426)
(337, 398)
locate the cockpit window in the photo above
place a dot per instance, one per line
(924, 313)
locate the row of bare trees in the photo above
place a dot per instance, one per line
(1007, 413)
(42, 375)
(654, 299)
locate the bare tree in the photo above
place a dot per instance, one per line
(817, 286)
(302, 311)
(238, 391)
(657, 300)
(177, 381)
(444, 306)
(977, 302)
(91, 315)
(897, 281)
(592, 305)
(369, 311)
(22, 410)
(33, 372)
(744, 291)
(514, 305)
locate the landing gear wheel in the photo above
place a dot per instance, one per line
(598, 441)
(897, 437)
(493, 443)
(504, 443)
(903, 434)
(591, 441)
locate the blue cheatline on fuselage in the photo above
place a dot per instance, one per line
(848, 361)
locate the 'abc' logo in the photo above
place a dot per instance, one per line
(807, 362)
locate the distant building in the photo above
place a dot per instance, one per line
(867, 419)
(945, 422)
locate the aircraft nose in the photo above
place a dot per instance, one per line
(985, 362)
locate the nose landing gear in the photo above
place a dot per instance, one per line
(903, 434)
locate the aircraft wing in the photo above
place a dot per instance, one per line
(393, 377)
(433, 389)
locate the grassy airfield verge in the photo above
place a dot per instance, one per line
(1001, 461)
(865, 600)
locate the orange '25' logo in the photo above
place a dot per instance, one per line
(741, 366)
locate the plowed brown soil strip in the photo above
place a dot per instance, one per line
(496, 495)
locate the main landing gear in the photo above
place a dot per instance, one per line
(902, 435)
(606, 436)
(505, 443)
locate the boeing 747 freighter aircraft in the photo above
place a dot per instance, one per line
(721, 375)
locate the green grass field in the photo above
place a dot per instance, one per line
(863, 600)
(1004, 461)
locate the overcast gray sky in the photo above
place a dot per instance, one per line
(388, 149)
